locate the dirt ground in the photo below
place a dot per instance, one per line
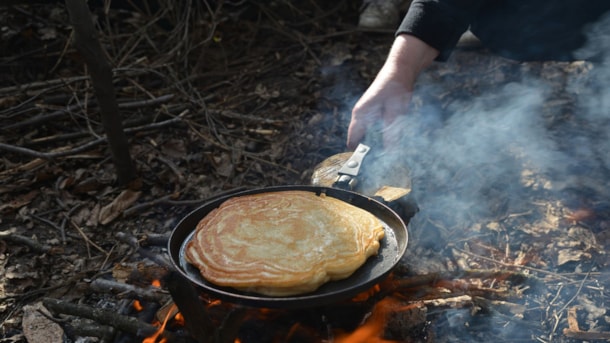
(508, 161)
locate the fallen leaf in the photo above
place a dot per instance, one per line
(570, 255)
(20, 201)
(113, 210)
(38, 328)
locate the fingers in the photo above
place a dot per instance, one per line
(355, 133)
(382, 123)
(364, 114)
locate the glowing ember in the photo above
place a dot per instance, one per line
(137, 305)
(179, 319)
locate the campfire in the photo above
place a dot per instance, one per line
(398, 309)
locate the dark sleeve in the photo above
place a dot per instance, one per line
(439, 23)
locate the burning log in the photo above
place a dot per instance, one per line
(391, 319)
(406, 320)
(126, 324)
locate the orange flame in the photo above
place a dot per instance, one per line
(156, 283)
(363, 296)
(153, 338)
(372, 330)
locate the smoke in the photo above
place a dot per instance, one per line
(494, 150)
(594, 93)
(538, 137)
(478, 153)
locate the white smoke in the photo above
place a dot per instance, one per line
(475, 160)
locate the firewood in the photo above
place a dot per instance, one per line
(405, 320)
(123, 323)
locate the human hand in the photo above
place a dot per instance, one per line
(377, 111)
(388, 97)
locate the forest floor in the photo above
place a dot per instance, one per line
(508, 161)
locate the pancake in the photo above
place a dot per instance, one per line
(283, 243)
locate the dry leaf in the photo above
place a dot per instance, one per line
(19, 201)
(39, 329)
(569, 255)
(174, 148)
(113, 210)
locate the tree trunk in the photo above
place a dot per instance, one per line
(87, 43)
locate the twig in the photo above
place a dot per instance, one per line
(51, 155)
(124, 290)
(87, 240)
(140, 207)
(509, 265)
(172, 166)
(60, 229)
(576, 294)
(133, 242)
(10, 236)
(42, 118)
(561, 311)
(40, 84)
(84, 147)
(145, 103)
(64, 81)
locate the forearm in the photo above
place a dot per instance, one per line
(407, 58)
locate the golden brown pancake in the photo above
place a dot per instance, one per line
(283, 243)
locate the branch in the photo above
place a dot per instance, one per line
(10, 236)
